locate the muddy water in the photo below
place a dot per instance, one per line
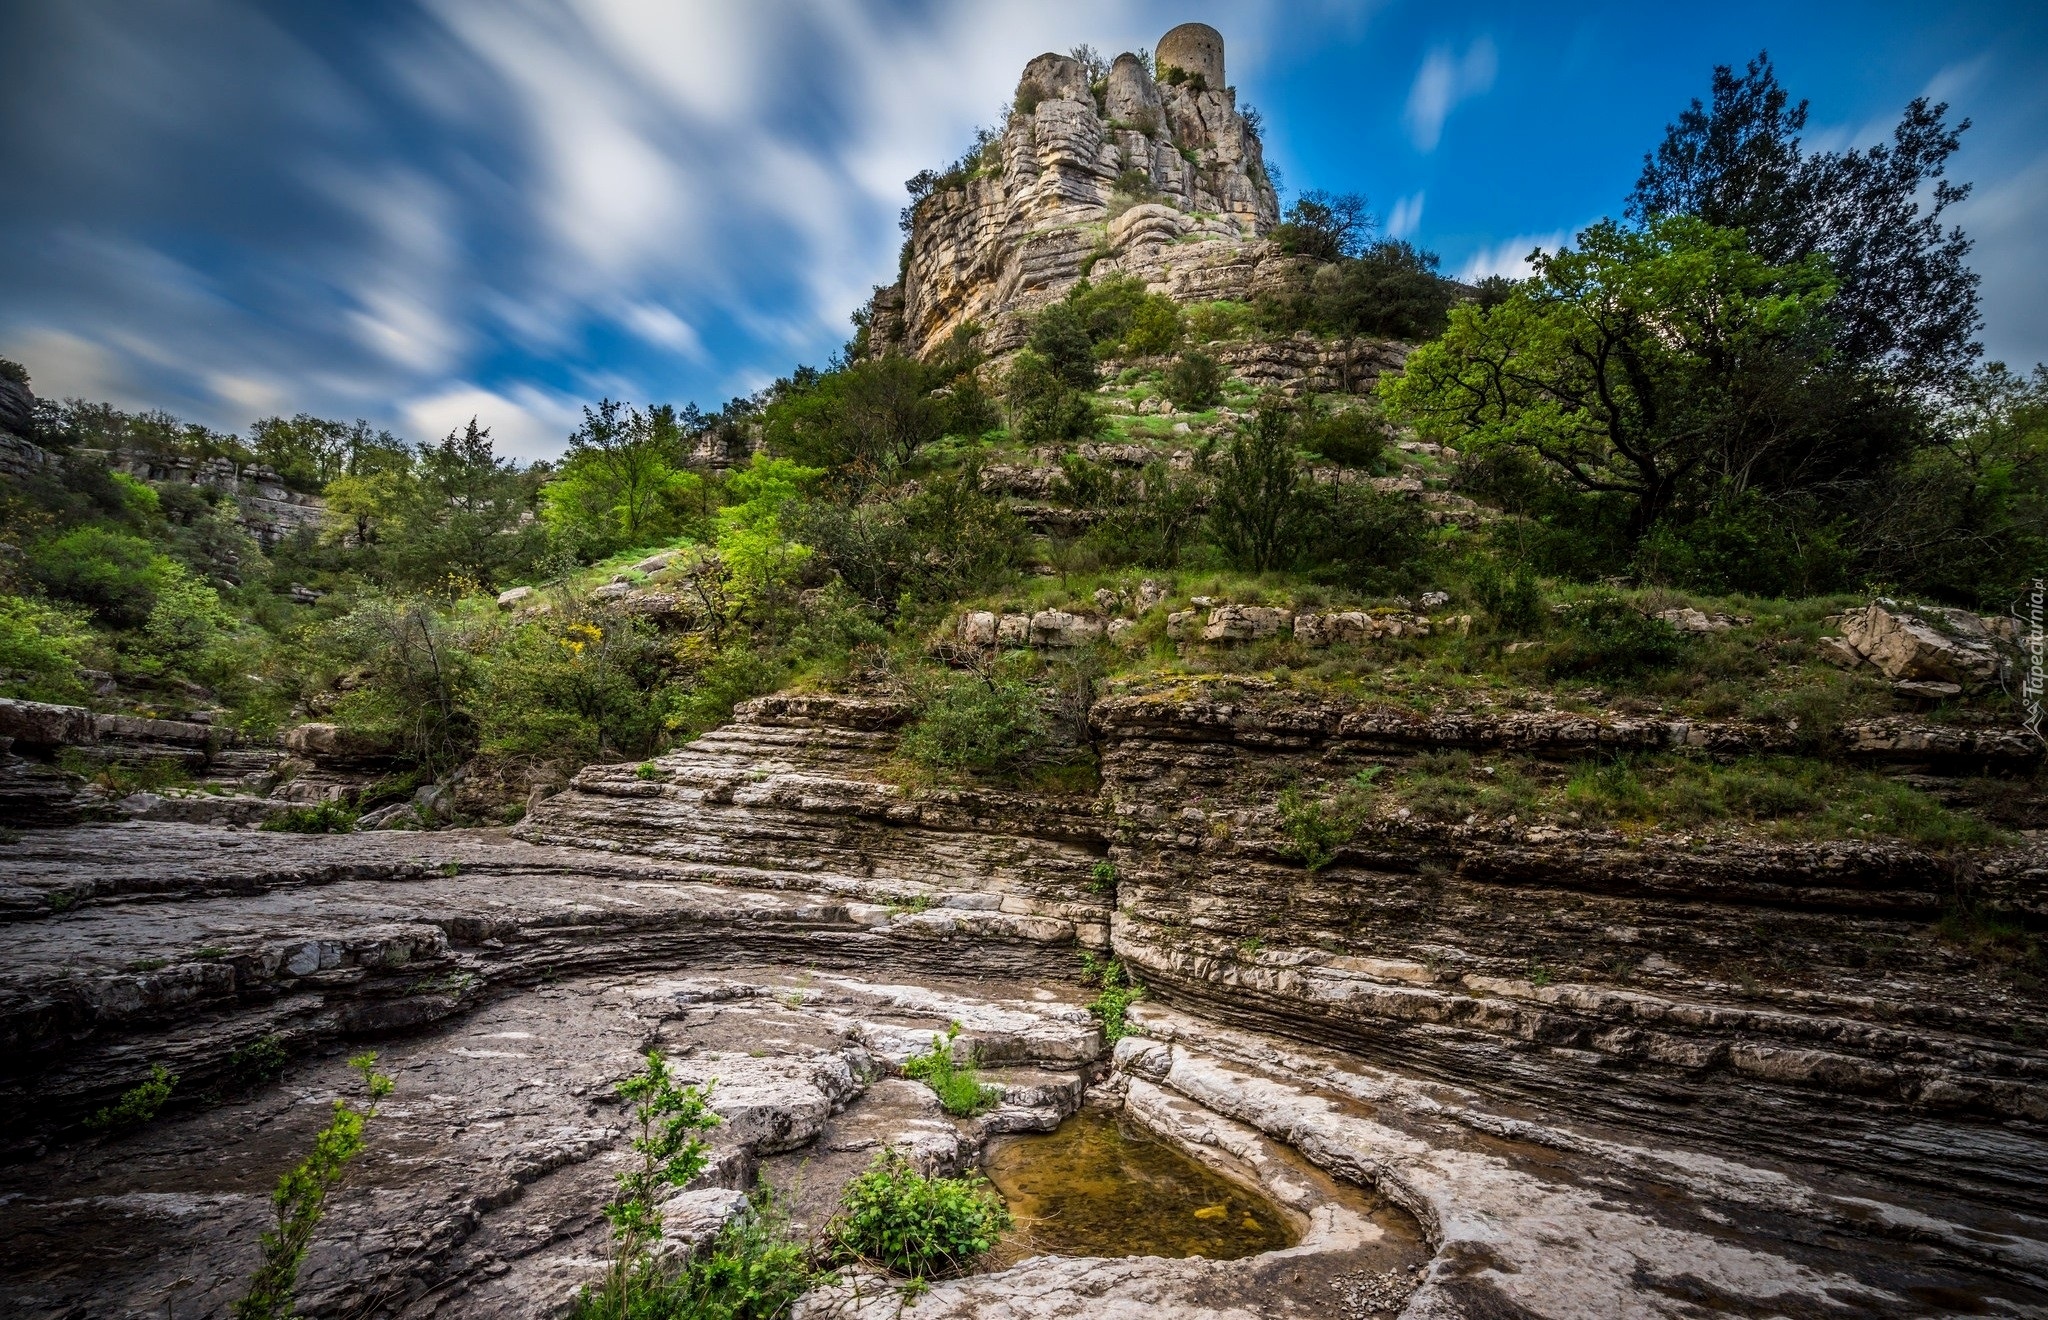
(1098, 1186)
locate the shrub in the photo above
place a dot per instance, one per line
(897, 1218)
(301, 1199)
(977, 723)
(1116, 993)
(319, 818)
(261, 1060)
(1315, 831)
(1044, 408)
(1194, 382)
(1606, 637)
(1258, 514)
(1353, 438)
(958, 1085)
(670, 1119)
(1060, 336)
(111, 573)
(753, 1270)
(1511, 597)
(138, 1104)
(41, 649)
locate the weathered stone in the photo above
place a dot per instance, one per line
(512, 596)
(977, 628)
(1245, 623)
(332, 742)
(1904, 645)
(1059, 629)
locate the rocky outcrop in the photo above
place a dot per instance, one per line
(1934, 650)
(1164, 182)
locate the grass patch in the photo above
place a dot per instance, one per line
(958, 1085)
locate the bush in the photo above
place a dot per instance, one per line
(301, 1199)
(977, 723)
(958, 1085)
(111, 573)
(41, 649)
(1044, 407)
(1362, 537)
(1258, 514)
(1511, 597)
(320, 818)
(753, 1270)
(1194, 382)
(1116, 993)
(1061, 337)
(1353, 438)
(897, 1218)
(1606, 637)
(138, 1104)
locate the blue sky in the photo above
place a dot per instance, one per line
(416, 212)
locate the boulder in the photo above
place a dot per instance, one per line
(436, 801)
(396, 816)
(690, 1220)
(514, 596)
(612, 591)
(1346, 627)
(40, 724)
(331, 742)
(1937, 645)
(1150, 593)
(1060, 629)
(1245, 623)
(1014, 630)
(655, 563)
(1692, 621)
(1180, 624)
(1432, 600)
(977, 628)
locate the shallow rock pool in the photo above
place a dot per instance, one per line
(1102, 1186)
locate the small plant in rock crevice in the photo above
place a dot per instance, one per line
(138, 1104)
(260, 1061)
(899, 1219)
(958, 1085)
(301, 1199)
(320, 818)
(670, 1120)
(1118, 992)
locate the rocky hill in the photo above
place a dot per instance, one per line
(1153, 173)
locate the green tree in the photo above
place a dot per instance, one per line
(307, 451)
(1632, 364)
(620, 482)
(1258, 514)
(670, 1120)
(1905, 302)
(1326, 226)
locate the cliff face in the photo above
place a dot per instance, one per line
(1128, 175)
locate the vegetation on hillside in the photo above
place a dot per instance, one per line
(1756, 393)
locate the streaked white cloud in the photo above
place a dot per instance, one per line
(1442, 83)
(525, 422)
(1510, 258)
(1406, 217)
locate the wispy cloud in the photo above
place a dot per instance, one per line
(1510, 258)
(1443, 81)
(1406, 217)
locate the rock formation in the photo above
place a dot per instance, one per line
(1603, 1076)
(1130, 175)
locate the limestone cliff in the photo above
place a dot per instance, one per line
(1157, 177)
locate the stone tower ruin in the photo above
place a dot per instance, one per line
(1193, 48)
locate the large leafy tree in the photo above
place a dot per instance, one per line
(1905, 302)
(1639, 365)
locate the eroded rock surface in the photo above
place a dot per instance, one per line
(1605, 1076)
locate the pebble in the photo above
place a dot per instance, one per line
(1364, 1295)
